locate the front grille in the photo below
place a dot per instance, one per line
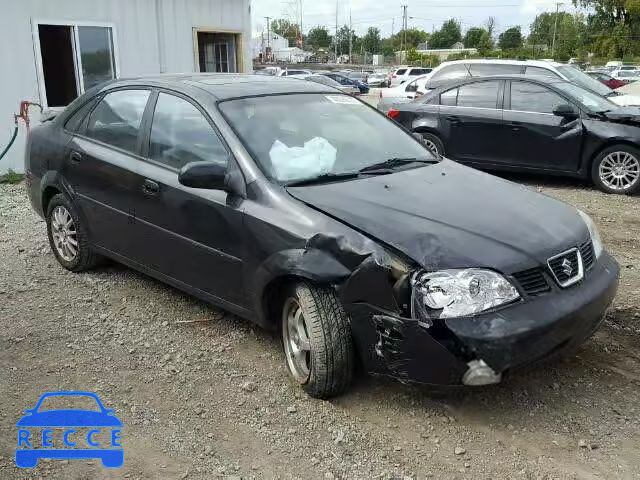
(588, 257)
(532, 281)
(567, 267)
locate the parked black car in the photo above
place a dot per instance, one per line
(530, 124)
(257, 195)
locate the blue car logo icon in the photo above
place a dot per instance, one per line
(31, 447)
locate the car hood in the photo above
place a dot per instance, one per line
(629, 115)
(450, 216)
(69, 418)
(625, 100)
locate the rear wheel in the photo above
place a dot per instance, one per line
(68, 237)
(317, 340)
(617, 170)
(433, 143)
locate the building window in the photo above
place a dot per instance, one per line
(73, 58)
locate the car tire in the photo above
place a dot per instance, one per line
(317, 342)
(433, 143)
(617, 170)
(68, 236)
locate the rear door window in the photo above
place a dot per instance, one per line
(479, 95)
(116, 119)
(401, 71)
(531, 97)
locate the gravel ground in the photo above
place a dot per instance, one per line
(203, 394)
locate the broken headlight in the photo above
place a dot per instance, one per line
(593, 232)
(459, 293)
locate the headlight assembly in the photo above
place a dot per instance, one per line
(459, 293)
(593, 231)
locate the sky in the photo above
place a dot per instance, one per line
(387, 14)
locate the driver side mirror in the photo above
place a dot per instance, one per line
(411, 88)
(210, 175)
(566, 111)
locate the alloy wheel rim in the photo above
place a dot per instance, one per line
(63, 231)
(431, 146)
(296, 340)
(619, 170)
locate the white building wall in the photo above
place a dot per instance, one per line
(152, 36)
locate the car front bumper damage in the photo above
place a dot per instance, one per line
(483, 349)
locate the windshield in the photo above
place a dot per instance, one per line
(576, 76)
(587, 98)
(304, 136)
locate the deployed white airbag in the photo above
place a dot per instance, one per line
(293, 163)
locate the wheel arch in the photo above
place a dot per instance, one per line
(290, 266)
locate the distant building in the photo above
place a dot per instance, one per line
(263, 46)
(290, 55)
(443, 53)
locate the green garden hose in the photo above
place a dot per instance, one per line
(13, 139)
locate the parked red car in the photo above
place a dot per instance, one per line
(608, 80)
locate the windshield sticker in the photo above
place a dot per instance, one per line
(342, 99)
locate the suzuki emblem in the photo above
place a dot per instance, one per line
(566, 267)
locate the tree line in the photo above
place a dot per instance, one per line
(609, 30)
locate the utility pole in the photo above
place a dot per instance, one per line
(555, 29)
(404, 31)
(393, 24)
(335, 39)
(268, 40)
(350, 37)
(301, 34)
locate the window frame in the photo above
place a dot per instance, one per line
(500, 98)
(147, 123)
(73, 24)
(507, 98)
(82, 129)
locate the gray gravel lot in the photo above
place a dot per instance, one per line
(203, 394)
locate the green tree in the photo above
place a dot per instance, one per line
(613, 27)
(343, 40)
(318, 37)
(286, 29)
(472, 37)
(371, 42)
(448, 34)
(510, 39)
(485, 44)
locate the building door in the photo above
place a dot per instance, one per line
(217, 52)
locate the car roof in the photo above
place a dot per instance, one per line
(227, 85)
(460, 81)
(532, 63)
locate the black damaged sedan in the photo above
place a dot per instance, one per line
(309, 213)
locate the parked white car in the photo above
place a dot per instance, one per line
(482, 68)
(626, 75)
(404, 74)
(400, 94)
(282, 72)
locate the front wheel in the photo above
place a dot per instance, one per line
(617, 170)
(317, 340)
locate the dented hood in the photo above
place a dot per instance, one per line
(630, 115)
(450, 216)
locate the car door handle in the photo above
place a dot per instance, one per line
(150, 187)
(515, 126)
(453, 120)
(75, 157)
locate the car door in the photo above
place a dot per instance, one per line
(193, 236)
(535, 137)
(101, 166)
(471, 119)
